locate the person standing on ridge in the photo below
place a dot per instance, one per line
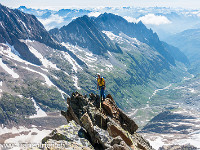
(101, 85)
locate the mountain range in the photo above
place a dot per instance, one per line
(41, 68)
(188, 42)
(164, 21)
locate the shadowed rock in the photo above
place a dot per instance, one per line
(107, 127)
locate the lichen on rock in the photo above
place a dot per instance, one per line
(95, 127)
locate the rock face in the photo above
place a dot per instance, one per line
(16, 26)
(117, 24)
(84, 32)
(70, 135)
(105, 126)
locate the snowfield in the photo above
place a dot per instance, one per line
(47, 80)
(8, 70)
(176, 136)
(40, 112)
(82, 53)
(75, 65)
(122, 38)
(6, 51)
(45, 62)
(33, 135)
(75, 79)
(158, 140)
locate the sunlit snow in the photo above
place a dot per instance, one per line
(44, 61)
(47, 80)
(71, 61)
(8, 52)
(156, 143)
(40, 112)
(121, 38)
(22, 138)
(75, 79)
(8, 70)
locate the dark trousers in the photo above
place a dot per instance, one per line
(102, 94)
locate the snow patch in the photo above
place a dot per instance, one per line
(132, 112)
(46, 63)
(8, 52)
(8, 70)
(156, 143)
(62, 93)
(109, 53)
(40, 112)
(110, 34)
(1, 83)
(47, 80)
(82, 53)
(121, 38)
(22, 138)
(21, 96)
(192, 90)
(2, 24)
(71, 61)
(13, 50)
(74, 18)
(109, 66)
(75, 79)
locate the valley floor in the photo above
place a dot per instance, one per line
(181, 131)
(171, 115)
(30, 134)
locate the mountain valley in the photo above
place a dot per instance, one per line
(149, 79)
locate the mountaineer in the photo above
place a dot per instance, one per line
(101, 85)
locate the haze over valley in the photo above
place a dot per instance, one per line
(148, 56)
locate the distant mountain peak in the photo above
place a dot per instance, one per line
(22, 7)
(17, 25)
(84, 32)
(117, 24)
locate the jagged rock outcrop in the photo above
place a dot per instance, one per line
(105, 126)
(70, 135)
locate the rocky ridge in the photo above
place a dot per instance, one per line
(94, 126)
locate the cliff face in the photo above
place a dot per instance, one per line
(96, 126)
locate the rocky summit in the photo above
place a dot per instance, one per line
(95, 125)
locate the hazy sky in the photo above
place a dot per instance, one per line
(58, 4)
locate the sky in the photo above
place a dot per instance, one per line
(58, 4)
